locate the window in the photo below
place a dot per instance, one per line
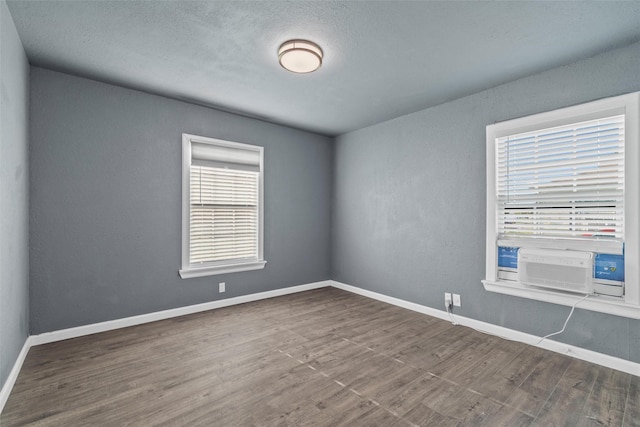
(567, 180)
(222, 184)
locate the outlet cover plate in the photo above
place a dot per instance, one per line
(456, 300)
(447, 298)
(221, 287)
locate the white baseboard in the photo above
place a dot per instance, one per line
(577, 352)
(500, 331)
(94, 328)
(13, 375)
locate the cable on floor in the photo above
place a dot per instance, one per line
(573, 307)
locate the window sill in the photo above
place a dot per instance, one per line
(188, 273)
(602, 304)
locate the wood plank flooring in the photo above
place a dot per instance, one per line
(318, 358)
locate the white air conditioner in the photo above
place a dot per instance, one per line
(570, 271)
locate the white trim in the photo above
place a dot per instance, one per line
(632, 201)
(186, 206)
(500, 331)
(600, 303)
(392, 300)
(95, 328)
(188, 273)
(491, 265)
(13, 375)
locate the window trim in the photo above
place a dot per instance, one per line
(629, 105)
(187, 270)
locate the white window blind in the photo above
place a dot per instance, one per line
(565, 182)
(224, 215)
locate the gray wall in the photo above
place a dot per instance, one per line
(409, 203)
(105, 202)
(14, 195)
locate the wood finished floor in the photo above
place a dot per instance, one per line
(325, 358)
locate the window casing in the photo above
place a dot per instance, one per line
(222, 207)
(568, 180)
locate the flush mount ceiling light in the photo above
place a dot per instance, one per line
(300, 56)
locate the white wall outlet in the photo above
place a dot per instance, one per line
(447, 299)
(221, 287)
(456, 300)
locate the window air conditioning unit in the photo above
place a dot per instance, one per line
(570, 271)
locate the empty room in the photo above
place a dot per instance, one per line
(329, 213)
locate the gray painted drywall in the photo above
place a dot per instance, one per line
(409, 203)
(14, 195)
(106, 193)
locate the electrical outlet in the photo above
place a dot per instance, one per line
(456, 300)
(447, 299)
(221, 287)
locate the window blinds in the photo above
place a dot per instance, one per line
(224, 197)
(564, 182)
(224, 214)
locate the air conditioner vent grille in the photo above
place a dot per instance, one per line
(564, 270)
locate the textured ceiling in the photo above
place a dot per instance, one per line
(382, 59)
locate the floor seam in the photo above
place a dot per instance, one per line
(358, 394)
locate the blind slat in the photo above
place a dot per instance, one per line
(564, 182)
